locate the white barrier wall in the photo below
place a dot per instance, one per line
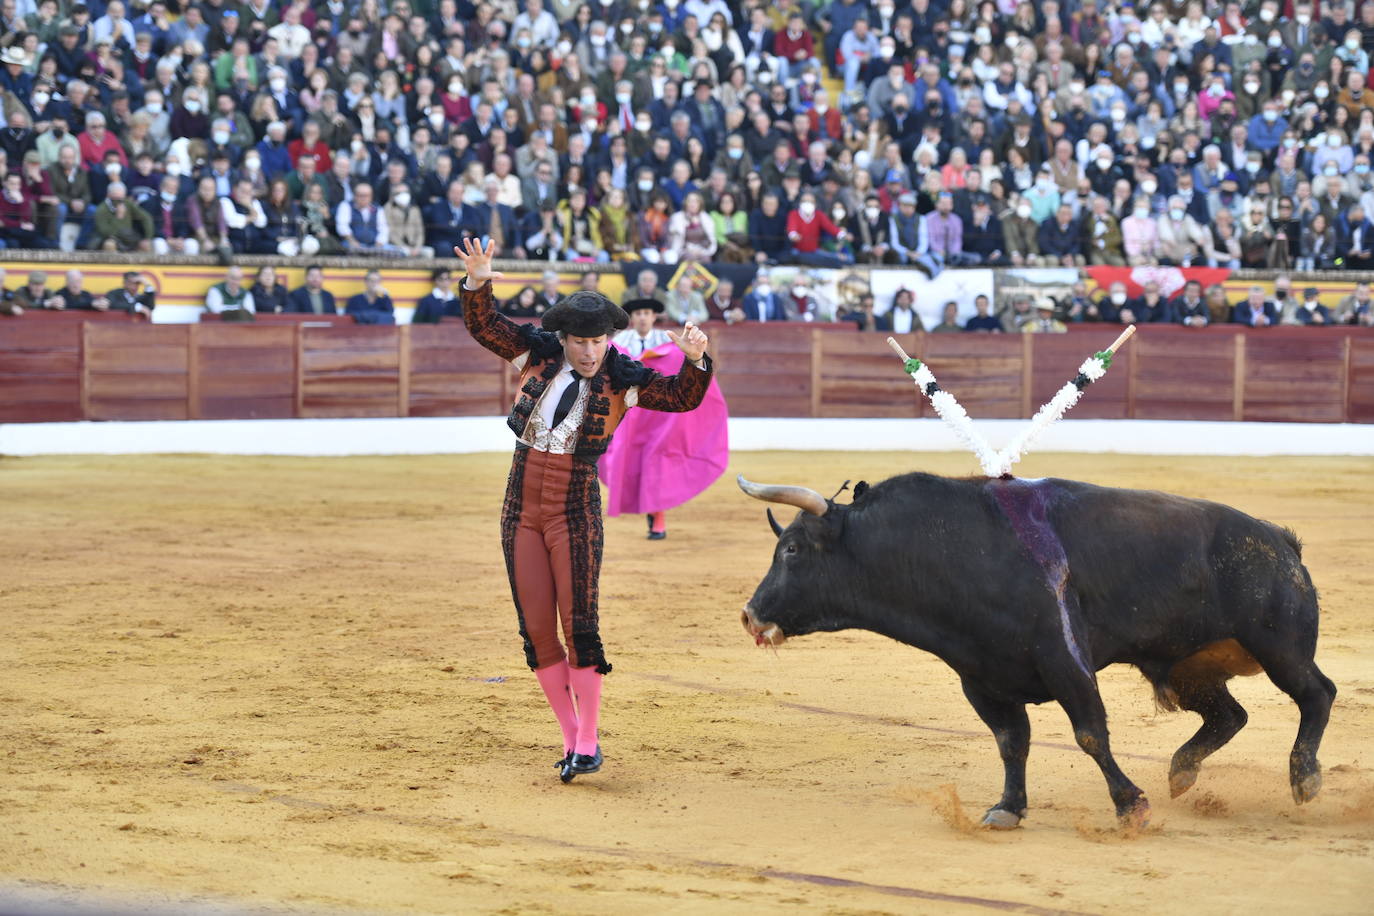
(460, 435)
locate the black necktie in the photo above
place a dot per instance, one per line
(566, 402)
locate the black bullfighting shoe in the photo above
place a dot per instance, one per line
(657, 535)
(586, 763)
(581, 764)
(564, 761)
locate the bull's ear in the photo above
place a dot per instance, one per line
(777, 529)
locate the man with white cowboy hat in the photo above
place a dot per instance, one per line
(14, 76)
(1044, 321)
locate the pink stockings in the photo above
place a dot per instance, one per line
(586, 686)
(554, 680)
(561, 684)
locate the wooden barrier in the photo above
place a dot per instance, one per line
(109, 368)
(244, 371)
(1359, 380)
(40, 371)
(350, 372)
(451, 375)
(136, 371)
(771, 371)
(1186, 375)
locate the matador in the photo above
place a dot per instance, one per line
(573, 391)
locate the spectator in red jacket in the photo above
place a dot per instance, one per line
(310, 146)
(826, 121)
(795, 45)
(96, 141)
(805, 228)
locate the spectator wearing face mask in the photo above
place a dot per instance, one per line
(1181, 239)
(871, 238)
(1310, 311)
(1108, 307)
(170, 212)
(189, 119)
(805, 228)
(275, 156)
(1022, 235)
(1333, 158)
(1140, 235)
(1267, 127)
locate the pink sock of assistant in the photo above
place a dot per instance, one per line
(586, 685)
(554, 679)
(660, 522)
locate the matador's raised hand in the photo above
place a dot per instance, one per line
(692, 342)
(477, 262)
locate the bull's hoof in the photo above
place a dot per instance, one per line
(1305, 788)
(1001, 819)
(1137, 816)
(1181, 781)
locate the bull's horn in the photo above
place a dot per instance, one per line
(773, 523)
(801, 497)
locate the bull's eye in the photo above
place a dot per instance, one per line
(790, 550)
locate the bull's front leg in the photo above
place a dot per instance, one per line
(1011, 728)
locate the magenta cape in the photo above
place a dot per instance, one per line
(660, 460)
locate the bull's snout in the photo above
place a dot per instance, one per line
(765, 634)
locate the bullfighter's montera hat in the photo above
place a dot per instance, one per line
(635, 305)
(586, 314)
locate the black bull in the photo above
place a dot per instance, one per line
(1026, 588)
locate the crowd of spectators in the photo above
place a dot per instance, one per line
(930, 133)
(1192, 306)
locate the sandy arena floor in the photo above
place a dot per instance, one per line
(295, 685)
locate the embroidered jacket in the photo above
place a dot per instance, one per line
(620, 383)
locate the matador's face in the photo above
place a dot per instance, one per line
(585, 353)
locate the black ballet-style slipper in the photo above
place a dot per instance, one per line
(580, 765)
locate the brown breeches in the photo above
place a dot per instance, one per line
(551, 535)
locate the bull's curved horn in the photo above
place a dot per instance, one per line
(801, 497)
(773, 523)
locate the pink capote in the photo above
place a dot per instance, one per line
(659, 460)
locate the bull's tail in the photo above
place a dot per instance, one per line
(1166, 698)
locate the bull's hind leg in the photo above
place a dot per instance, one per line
(1222, 717)
(1077, 693)
(1302, 680)
(1011, 728)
